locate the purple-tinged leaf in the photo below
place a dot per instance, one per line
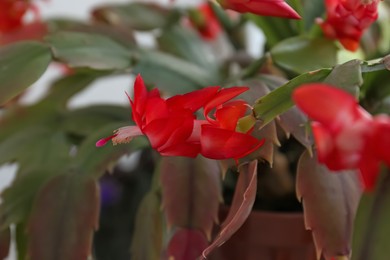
(293, 122)
(5, 238)
(64, 216)
(191, 192)
(244, 197)
(330, 201)
(186, 244)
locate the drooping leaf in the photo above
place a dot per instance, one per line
(191, 192)
(94, 161)
(372, 227)
(5, 241)
(21, 240)
(347, 76)
(63, 219)
(89, 50)
(172, 74)
(136, 16)
(244, 197)
(288, 54)
(330, 201)
(21, 64)
(148, 234)
(186, 244)
(279, 100)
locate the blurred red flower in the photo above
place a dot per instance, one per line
(203, 19)
(347, 20)
(278, 8)
(173, 129)
(346, 136)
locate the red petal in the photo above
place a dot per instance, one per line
(193, 100)
(323, 141)
(182, 149)
(223, 96)
(277, 8)
(217, 143)
(155, 108)
(140, 95)
(328, 105)
(228, 115)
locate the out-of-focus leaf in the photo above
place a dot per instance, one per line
(50, 155)
(372, 227)
(5, 240)
(191, 192)
(330, 201)
(347, 76)
(188, 45)
(96, 160)
(279, 100)
(89, 50)
(186, 244)
(21, 64)
(63, 218)
(312, 9)
(244, 197)
(290, 54)
(275, 29)
(136, 16)
(21, 240)
(147, 239)
(119, 34)
(85, 121)
(171, 73)
(64, 88)
(293, 122)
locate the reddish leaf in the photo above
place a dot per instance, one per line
(330, 201)
(63, 218)
(191, 192)
(242, 204)
(293, 122)
(5, 238)
(186, 244)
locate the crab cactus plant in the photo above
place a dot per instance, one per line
(202, 106)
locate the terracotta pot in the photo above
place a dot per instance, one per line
(269, 236)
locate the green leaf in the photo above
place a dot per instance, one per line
(300, 54)
(94, 161)
(312, 10)
(148, 235)
(347, 76)
(188, 45)
(279, 101)
(64, 88)
(136, 16)
(172, 74)
(330, 200)
(89, 50)
(244, 198)
(21, 64)
(63, 218)
(21, 240)
(275, 29)
(372, 228)
(194, 184)
(85, 121)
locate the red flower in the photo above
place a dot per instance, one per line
(12, 13)
(346, 135)
(203, 19)
(173, 130)
(277, 8)
(347, 19)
